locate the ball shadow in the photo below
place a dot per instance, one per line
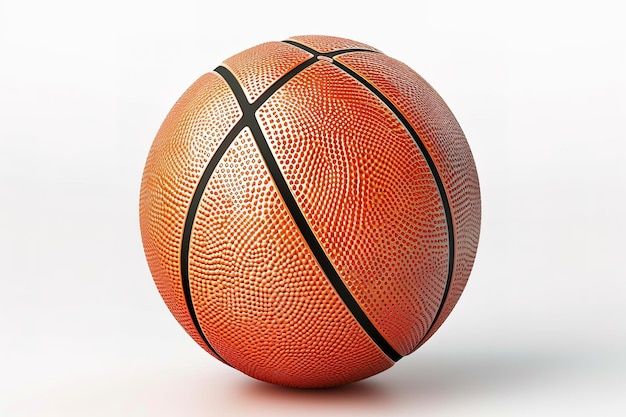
(420, 381)
(358, 396)
(417, 384)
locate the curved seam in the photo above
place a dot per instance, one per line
(300, 220)
(431, 164)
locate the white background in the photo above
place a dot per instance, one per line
(539, 88)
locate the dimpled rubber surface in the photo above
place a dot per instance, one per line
(183, 146)
(356, 178)
(259, 67)
(329, 43)
(368, 195)
(261, 299)
(441, 134)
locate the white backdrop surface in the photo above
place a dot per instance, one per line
(539, 88)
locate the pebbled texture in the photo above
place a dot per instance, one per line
(439, 130)
(259, 295)
(368, 194)
(190, 134)
(263, 302)
(329, 43)
(259, 67)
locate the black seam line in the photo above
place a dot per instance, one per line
(301, 222)
(288, 76)
(327, 54)
(431, 164)
(189, 221)
(204, 179)
(246, 108)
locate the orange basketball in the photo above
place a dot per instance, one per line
(310, 211)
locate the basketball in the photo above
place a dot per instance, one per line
(310, 211)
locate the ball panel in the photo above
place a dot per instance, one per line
(438, 129)
(329, 43)
(262, 300)
(261, 66)
(184, 144)
(368, 195)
